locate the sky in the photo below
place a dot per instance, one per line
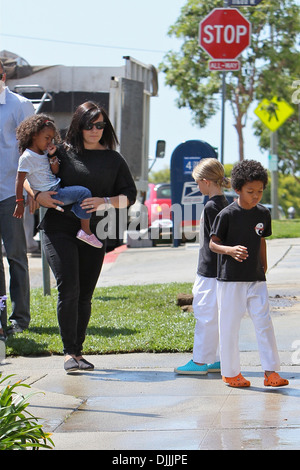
(99, 33)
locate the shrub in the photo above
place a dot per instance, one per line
(19, 429)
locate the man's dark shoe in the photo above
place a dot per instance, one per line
(14, 328)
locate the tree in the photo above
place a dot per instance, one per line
(268, 67)
(160, 176)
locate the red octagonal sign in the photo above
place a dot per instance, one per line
(224, 33)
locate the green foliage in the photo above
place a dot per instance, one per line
(161, 176)
(289, 193)
(286, 228)
(288, 145)
(19, 429)
(124, 319)
(269, 66)
(228, 169)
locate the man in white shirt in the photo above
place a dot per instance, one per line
(14, 109)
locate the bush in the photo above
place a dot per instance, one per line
(19, 429)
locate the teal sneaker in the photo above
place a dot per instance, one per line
(215, 367)
(191, 369)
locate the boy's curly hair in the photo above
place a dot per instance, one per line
(33, 125)
(247, 171)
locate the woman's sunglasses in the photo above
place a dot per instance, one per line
(98, 125)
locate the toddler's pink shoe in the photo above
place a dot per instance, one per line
(89, 239)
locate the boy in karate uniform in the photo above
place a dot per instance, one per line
(238, 235)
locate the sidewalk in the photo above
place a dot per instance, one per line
(136, 401)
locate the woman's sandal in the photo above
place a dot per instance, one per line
(238, 381)
(70, 365)
(274, 380)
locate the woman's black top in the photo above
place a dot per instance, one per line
(104, 172)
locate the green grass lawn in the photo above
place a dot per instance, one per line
(287, 228)
(124, 319)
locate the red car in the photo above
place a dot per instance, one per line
(158, 202)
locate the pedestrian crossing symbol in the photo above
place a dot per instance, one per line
(273, 113)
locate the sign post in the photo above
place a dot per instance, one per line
(224, 33)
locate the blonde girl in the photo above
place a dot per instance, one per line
(210, 177)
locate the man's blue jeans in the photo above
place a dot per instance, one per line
(13, 236)
(73, 195)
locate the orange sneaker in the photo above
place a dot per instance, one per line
(238, 381)
(274, 380)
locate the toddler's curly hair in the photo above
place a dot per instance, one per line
(32, 126)
(247, 171)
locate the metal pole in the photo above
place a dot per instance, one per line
(274, 176)
(223, 115)
(225, 5)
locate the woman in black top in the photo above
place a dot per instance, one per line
(87, 158)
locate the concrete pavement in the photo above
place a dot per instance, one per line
(136, 402)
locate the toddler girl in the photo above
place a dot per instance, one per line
(39, 164)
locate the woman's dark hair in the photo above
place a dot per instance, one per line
(32, 126)
(247, 171)
(85, 114)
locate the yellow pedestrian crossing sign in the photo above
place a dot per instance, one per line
(273, 113)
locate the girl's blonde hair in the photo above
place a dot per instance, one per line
(211, 169)
(32, 126)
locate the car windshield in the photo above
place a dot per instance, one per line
(163, 192)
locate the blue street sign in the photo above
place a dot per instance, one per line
(243, 3)
(187, 200)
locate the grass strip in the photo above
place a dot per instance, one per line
(124, 319)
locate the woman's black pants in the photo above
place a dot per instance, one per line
(76, 267)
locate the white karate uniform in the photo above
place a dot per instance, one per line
(234, 300)
(205, 306)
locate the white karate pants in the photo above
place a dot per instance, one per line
(234, 299)
(206, 336)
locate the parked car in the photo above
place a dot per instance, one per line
(230, 195)
(281, 213)
(158, 201)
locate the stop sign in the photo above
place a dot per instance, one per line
(224, 33)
